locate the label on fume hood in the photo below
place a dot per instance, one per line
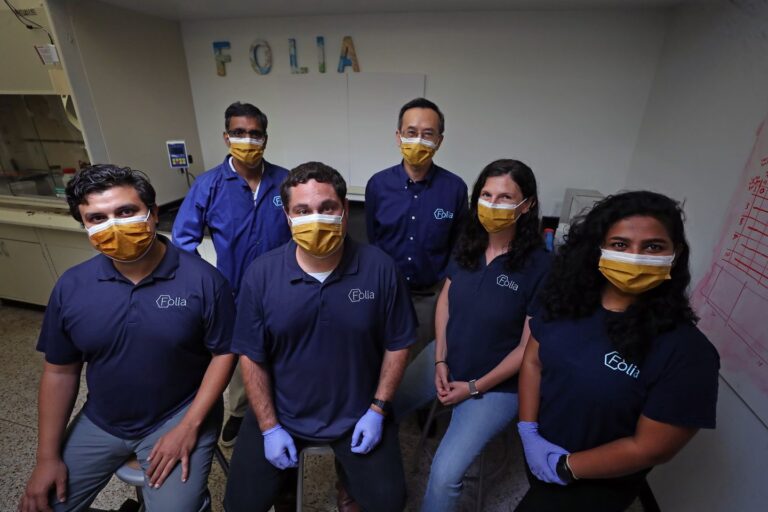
(47, 54)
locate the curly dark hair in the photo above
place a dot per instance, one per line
(100, 177)
(575, 285)
(473, 239)
(317, 171)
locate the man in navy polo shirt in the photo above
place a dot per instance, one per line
(323, 328)
(413, 209)
(239, 202)
(154, 325)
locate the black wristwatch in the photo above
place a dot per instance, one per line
(383, 405)
(564, 471)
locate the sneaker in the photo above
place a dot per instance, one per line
(230, 430)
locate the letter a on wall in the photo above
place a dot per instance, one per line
(220, 57)
(261, 57)
(348, 56)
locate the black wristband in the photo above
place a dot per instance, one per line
(563, 471)
(383, 405)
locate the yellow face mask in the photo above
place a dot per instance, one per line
(319, 235)
(417, 151)
(496, 217)
(635, 273)
(248, 151)
(123, 240)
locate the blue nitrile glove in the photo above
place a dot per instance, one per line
(540, 454)
(367, 433)
(279, 448)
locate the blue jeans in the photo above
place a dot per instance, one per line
(474, 422)
(92, 455)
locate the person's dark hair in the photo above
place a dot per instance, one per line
(421, 103)
(100, 177)
(575, 285)
(317, 171)
(473, 239)
(238, 109)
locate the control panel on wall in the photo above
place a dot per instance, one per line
(177, 154)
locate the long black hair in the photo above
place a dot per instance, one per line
(575, 285)
(473, 239)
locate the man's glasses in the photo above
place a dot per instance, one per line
(240, 133)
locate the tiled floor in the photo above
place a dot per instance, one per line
(20, 369)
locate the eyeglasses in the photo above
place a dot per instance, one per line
(240, 133)
(412, 134)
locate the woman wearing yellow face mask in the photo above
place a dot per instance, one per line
(481, 325)
(616, 377)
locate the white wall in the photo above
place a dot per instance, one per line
(131, 87)
(562, 91)
(708, 98)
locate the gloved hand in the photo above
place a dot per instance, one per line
(367, 433)
(279, 448)
(540, 454)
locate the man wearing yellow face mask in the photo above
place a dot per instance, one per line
(154, 326)
(239, 203)
(413, 209)
(323, 329)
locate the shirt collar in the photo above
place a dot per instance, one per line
(166, 269)
(348, 265)
(427, 179)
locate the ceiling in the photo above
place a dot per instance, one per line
(211, 9)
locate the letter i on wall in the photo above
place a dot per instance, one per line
(220, 57)
(321, 54)
(295, 69)
(348, 56)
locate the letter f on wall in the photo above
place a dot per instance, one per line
(220, 57)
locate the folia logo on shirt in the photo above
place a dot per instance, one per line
(506, 282)
(441, 214)
(166, 301)
(614, 361)
(356, 295)
(277, 201)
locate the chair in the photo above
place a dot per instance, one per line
(132, 474)
(322, 449)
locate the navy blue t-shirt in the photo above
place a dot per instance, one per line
(324, 342)
(486, 313)
(590, 395)
(147, 346)
(416, 223)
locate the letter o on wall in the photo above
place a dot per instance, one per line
(261, 57)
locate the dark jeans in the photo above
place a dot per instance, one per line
(375, 480)
(609, 495)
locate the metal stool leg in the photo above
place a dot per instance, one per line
(424, 432)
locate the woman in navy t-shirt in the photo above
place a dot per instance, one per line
(481, 325)
(616, 378)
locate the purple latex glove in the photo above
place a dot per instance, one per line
(367, 433)
(541, 455)
(279, 448)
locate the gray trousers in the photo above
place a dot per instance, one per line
(92, 455)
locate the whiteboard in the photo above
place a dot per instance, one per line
(732, 299)
(374, 103)
(347, 121)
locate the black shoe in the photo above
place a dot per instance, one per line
(230, 430)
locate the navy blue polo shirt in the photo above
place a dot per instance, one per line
(486, 313)
(242, 228)
(591, 396)
(147, 346)
(323, 341)
(416, 222)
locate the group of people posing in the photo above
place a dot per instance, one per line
(593, 349)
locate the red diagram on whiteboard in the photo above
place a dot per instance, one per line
(748, 251)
